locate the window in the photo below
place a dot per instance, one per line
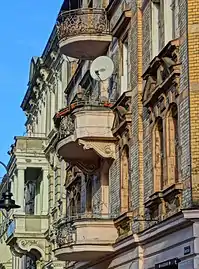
(125, 180)
(89, 195)
(156, 27)
(172, 145)
(165, 23)
(125, 76)
(175, 18)
(30, 193)
(168, 21)
(90, 3)
(158, 155)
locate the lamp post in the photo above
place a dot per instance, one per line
(7, 203)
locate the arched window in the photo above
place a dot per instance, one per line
(172, 144)
(158, 155)
(125, 180)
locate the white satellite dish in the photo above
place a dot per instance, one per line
(102, 68)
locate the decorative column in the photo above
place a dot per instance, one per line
(39, 119)
(104, 178)
(43, 116)
(15, 187)
(85, 4)
(59, 92)
(44, 192)
(20, 188)
(52, 107)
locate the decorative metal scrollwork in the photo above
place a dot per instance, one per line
(82, 21)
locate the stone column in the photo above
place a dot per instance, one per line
(12, 189)
(59, 93)
(43, 118)
(104, 178)
(85, 3)
(52, 107)
(20, 188)
(44, 192)
(47, 107)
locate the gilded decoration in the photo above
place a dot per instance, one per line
(82, 21)
(162, 78)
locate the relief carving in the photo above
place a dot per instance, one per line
(122, 112)
(123, 225)
(162, 73)
(104, 149)
(23, 246)
(65, 234)
(66, 128)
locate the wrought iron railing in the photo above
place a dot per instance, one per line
(82, 21)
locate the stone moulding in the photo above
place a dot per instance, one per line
(24, 246)
(123, 225)
(162, 73)
(122, 115)
(165, 203)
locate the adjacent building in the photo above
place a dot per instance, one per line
(107, 175)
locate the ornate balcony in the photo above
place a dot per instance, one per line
(83, 33)
(26, 234)
(85, 135)
(85, 239)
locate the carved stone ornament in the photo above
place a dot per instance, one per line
(162, 73)
(122, 111)
(23, 246)
(65, 234)
(66, 128)
(87, 167)
(123, 225)
(104, 149)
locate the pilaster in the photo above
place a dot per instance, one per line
(44, 192)
(20, 189)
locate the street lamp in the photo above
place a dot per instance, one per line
(7, 203)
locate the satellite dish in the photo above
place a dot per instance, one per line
(102, 68)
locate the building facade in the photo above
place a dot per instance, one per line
(110, 167)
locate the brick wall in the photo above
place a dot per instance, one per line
(114, 185)
(193, 52)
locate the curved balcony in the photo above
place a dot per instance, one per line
(85, 239)
(85, 135)
(83, 33)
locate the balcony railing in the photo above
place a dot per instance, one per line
(82, 21)
(66, 230)
(84, 238)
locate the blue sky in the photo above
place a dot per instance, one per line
(24, 30)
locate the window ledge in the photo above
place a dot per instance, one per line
(172, 189)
